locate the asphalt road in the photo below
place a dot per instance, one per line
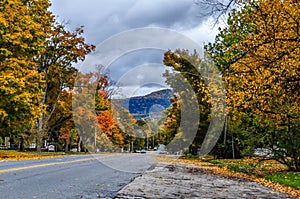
(84, 176)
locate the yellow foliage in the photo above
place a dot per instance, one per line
(14, 155)
(23, 36)
(266, 78)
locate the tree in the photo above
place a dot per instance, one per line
(37, 54)
(65, 133)
(259, 56)
(23, 27)
(94, 114)
(142, 131)
(195, 81)
(172, 123)
(104, 111)
(62, 50)
(125, 124)
(61, 124)
(84, 116)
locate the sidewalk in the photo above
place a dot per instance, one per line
(180, 180)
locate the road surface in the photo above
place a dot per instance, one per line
(80, 176)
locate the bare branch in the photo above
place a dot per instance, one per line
(218, 9)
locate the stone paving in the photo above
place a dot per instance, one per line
(168, 181)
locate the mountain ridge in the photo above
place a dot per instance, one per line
(139, 106)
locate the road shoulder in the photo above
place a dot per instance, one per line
(182, 180)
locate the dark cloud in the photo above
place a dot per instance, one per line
(103, 19)
(164, 13)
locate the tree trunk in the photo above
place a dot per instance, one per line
(66, 146)
(79, 145)
(39, 134)
(21, 144)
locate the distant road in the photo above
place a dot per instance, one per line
(80, 176)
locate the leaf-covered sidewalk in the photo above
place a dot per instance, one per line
(188, 179)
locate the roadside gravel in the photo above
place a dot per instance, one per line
(180, 180)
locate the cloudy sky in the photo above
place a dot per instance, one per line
(105, 21)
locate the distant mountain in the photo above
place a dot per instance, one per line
(141, 106)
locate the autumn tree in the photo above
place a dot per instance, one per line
(259, 55)
(172, 122)
(63, 49)
(37, 57)
(191, 79)
(62, 127)
(68, 135)
(96, 117)
(105, 117)
(83, 110)
(23, 35)
(125, 124)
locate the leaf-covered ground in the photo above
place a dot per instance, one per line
(16, 155)
(221, 169)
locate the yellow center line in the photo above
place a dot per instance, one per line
(50, 164)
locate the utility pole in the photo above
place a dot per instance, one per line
(147, 142)
(95, 140)
(225, 129)
(153, 141)
(232, 142)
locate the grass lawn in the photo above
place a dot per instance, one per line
(291, 179)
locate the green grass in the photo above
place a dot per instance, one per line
(291, 179)
(190, 156)
(218, 161)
